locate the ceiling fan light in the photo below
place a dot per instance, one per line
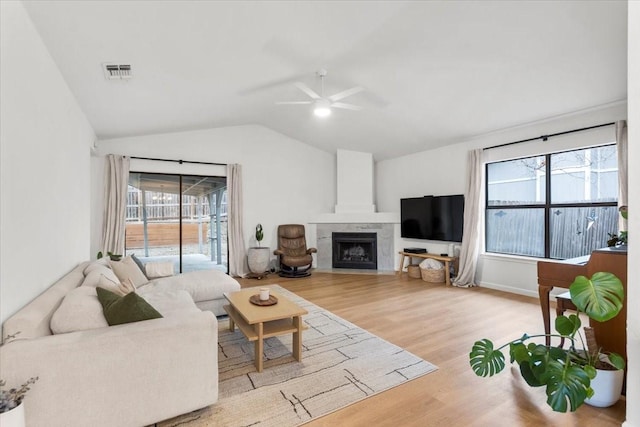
(322, 108)
(322, 111)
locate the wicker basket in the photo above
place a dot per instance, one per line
(432, 276)
(414, 271)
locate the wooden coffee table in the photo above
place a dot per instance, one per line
(260, 322)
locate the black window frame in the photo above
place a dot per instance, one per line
(547, 205)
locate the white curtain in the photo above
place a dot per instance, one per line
(116, 181)
(237, 258)
(472, 216)
(623, 169)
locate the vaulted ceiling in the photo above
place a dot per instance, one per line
(434, 72)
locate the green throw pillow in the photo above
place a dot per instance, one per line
(129, 308)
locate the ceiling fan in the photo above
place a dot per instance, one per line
(322, 105)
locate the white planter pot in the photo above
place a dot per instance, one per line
(607, 388)
(258, 260)
(13, 418)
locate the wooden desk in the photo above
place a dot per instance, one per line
(611, 335)
(446, 259)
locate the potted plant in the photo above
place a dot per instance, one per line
(567, 374)
(258, 257)
(111, 255)
(11, 408)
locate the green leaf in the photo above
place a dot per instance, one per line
(556, 353)
(484, 360)
(601, 298)
(616, 360)
(567, 326)
(567, 386)
(590, 371)
(529, 376)
(518, 352)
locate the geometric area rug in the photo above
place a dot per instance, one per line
(341, 364)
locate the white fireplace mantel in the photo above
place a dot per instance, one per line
(357, 218)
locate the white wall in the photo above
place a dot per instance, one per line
(443, 171)
(633, 269)
(355, 173)
(44, 151)
(285, 181)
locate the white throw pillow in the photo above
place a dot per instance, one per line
(128, 269)
(159, 269)
(80, 310)
(102, 262)
(101, 276)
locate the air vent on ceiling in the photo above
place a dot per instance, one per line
(117, 71)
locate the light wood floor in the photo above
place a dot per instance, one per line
(440, 325)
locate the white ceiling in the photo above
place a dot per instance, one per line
(434, 72)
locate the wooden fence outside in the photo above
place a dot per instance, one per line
(574, 231)
(163, 234)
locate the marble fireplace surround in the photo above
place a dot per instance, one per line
(385, 236)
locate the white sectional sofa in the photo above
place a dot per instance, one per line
(133, 374)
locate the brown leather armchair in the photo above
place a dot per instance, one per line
(295, 257)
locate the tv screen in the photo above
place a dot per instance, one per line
(432, 218)
(413, 214)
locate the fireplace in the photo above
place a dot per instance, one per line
(354, 250)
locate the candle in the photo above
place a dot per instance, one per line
(264, 294)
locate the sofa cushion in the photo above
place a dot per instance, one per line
(129, 308)
(202, 285)
(128, 269)
(80, 310)
(170, 303)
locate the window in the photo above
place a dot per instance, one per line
(559, 205)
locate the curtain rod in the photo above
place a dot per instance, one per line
(545, 137)
(178, 161)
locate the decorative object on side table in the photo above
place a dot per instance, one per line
(567, 374)
(11, 407)
(256, 300)
(258, 257)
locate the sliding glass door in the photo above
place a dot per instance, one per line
(181, 218)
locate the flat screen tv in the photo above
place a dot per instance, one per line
(432, 218)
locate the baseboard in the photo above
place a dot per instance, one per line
(510, 289)
(520, 291)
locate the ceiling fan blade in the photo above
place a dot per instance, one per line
(270, 84)
(306, 89)
(338, 96)
(293, 102)
(346, 106)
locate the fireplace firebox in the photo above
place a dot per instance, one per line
(354, 250)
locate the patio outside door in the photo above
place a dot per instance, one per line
(181, 218)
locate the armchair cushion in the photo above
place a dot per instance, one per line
(293, 251)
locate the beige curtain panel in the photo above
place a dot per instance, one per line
(116, 182)
(237, 253)
(472, 216)
(623, 169)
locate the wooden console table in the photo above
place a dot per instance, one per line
(446, 259)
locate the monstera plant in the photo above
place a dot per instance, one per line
(566, 373)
